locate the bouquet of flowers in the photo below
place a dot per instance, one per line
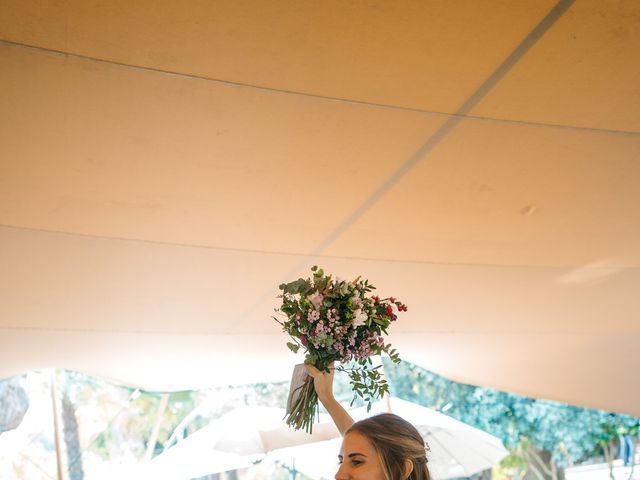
(336, 320)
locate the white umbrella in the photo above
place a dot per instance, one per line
(258, 430)
(180, 462)
(236, 440)
(456, 449)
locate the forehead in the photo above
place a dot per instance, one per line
(355, 442)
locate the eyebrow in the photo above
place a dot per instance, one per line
(351, 455)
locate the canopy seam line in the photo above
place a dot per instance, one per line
(264, 334)
(304, 255)
(330, 98)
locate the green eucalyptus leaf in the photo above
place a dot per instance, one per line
(293, 347)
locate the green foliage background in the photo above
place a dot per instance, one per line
(115, 422)
(569, 434)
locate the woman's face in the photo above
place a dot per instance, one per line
(359, 459)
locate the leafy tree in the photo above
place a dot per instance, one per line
(14, 403)
(544, 437)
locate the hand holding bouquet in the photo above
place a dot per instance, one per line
(335, 320)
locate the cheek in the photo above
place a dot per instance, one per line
(378, 469)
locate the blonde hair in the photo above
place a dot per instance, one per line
(395, 440)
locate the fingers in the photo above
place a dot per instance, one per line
(313, 371)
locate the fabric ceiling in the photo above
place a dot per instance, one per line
(163, 167)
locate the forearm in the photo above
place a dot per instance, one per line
(340, 416)
(323, 384)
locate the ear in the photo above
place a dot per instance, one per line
(408, 468)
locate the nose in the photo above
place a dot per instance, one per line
(341, 474)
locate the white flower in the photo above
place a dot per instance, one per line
(359, 318)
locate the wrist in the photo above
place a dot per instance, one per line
(328, 401)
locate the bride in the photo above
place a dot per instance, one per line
(382, 447)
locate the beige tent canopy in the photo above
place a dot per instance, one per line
(165, 165)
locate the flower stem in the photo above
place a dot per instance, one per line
(304, 408)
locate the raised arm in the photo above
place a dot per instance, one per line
(323, 383)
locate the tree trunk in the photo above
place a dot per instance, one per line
(72, 439)
(633, 458)
(542, 466)
(608, 448)
(483, 475)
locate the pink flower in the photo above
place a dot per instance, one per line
(313, 315)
